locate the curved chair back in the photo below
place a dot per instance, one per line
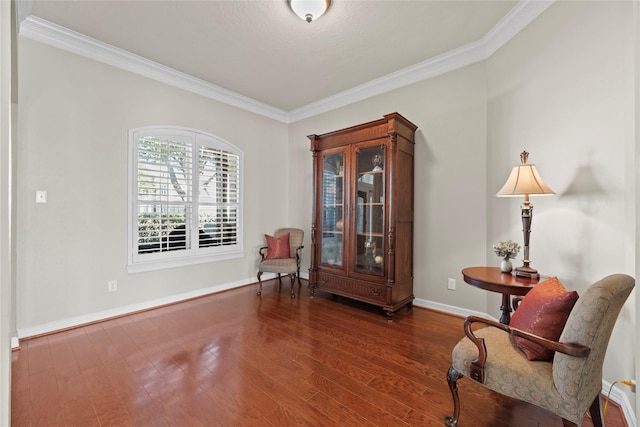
(590, 323)
(296, 236)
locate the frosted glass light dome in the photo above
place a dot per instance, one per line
(309, 10)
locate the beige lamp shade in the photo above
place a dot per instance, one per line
(524, 180)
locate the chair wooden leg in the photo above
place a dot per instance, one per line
(452, 378)
(293, 281)
(595, 410)
(260, 281)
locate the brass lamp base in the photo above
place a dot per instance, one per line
(526, 271)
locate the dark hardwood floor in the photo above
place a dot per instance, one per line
(236, 359)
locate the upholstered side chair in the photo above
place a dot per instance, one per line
(571, 382)
(288, 264)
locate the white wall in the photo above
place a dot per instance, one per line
(6, 255)
(636, 113)
(563, 90)
(74, 117)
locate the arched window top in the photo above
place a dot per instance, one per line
(185, 198)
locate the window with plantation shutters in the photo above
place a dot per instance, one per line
(185, 198)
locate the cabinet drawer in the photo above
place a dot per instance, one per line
(363, 291)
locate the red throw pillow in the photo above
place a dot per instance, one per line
(278, 247)
(543, 312)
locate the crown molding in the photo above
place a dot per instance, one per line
(55, 35)
(441, 64)
(23, 10)
(521, 15)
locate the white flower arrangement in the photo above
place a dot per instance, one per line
(508, 249)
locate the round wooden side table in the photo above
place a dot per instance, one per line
(493, 280)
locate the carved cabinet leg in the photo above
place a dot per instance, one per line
(452, 378)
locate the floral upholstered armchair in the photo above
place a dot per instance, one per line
(570, 382)
(282, 255)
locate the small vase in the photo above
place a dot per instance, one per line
(505, 265)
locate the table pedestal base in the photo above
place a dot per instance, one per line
(506, 309)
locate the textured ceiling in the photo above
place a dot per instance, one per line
(261, 50)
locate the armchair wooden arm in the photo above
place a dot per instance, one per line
(515, 302)
(262, 252)
(477, 364)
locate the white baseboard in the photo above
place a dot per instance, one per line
(450, 309)
(619, 397)
(121, 311)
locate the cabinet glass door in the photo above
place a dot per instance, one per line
(332, 209)
(369, 220)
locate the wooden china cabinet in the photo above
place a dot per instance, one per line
(362, 226)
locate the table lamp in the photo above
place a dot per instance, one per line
(525, 181)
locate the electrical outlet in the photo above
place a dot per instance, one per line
(41, 196)
(112, 285)
(452, 284)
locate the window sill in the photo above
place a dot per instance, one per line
(141, 267)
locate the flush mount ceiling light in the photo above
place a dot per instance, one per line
(309, 10)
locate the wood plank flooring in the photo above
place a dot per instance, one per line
(236, 359)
